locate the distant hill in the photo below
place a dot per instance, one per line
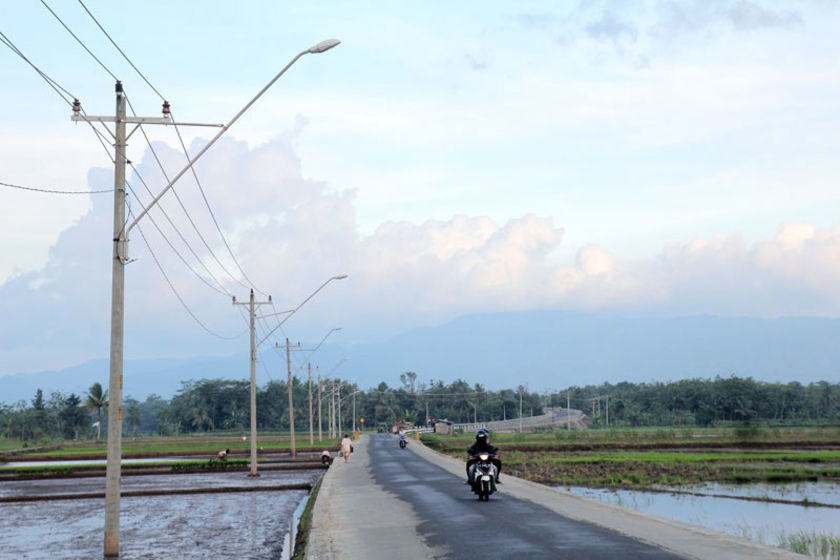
(543, 349)
(553, 349)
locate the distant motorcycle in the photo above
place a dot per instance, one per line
(403, 441)
(483, 476)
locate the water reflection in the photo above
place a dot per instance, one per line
(764, 522)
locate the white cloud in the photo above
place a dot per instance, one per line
(291, 233)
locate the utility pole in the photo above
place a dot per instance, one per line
(252, 314)
(520, 409)
(311, 435)
(338, 418)
(330, 388)
(354, 412)
(291, 401)
(119, 259)
(568, 406)
(118, 262)
(320, 396)
(607, 400)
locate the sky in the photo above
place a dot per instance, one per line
(641, 157)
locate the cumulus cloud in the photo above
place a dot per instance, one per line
(740, 14)
(290, 233)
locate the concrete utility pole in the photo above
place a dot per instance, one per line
(252, 314)
(118, 262)
(120, 259)
(311, 435)
(568, 406)
(320, 396)
(291, 400)
(607, 400)
(332, 408)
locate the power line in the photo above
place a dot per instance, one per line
(53, 191)
(177, 295)
(174, 250)
(183, 207)
(52, 83)
(79, 40)
(184, 148)
(55, 86)
(120, 50)
(212, 215)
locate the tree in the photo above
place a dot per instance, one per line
(72, 416)
(96, 400)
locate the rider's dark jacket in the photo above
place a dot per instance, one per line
(482, 446)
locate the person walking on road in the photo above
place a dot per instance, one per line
(346, 448)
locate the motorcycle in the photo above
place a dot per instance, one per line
(403, 442)
(483, 476)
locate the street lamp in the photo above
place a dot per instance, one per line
(293, 449)
(119, 257)
(332, 396)
(309, 368)
(254, 346)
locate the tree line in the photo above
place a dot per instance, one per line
(224, 406)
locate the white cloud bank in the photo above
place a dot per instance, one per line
(290, 233)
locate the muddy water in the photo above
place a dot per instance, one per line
(232, 525)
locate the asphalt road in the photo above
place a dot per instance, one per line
(454, 524)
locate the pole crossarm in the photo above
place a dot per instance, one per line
(132, 120)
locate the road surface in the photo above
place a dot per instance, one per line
(454, 524)
(412, 504)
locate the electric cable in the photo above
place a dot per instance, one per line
(184, 148)
(53, 191)
(177, 295)
(181, 203)
(212, 214)
(221, 287)
(80, 41)
(55, 86)
(174, 250)
(52, 83)
(120, 50)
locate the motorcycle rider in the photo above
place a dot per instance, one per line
(403, 441)
(482, 445)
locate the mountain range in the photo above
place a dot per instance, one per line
(544, 350)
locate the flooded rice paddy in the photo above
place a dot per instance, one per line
(766, 522)
(250, 525)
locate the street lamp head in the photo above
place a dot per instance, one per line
(324, 46)
(339, 277)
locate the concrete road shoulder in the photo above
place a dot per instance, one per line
(354, 518)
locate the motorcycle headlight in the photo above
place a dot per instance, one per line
(484, 456)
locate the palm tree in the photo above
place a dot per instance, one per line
(96, 400)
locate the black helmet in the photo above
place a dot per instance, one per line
(482, 433)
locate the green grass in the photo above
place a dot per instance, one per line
(302, 537)
(665, 458)
(811, 543)
(208, 443)
(544, 457)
